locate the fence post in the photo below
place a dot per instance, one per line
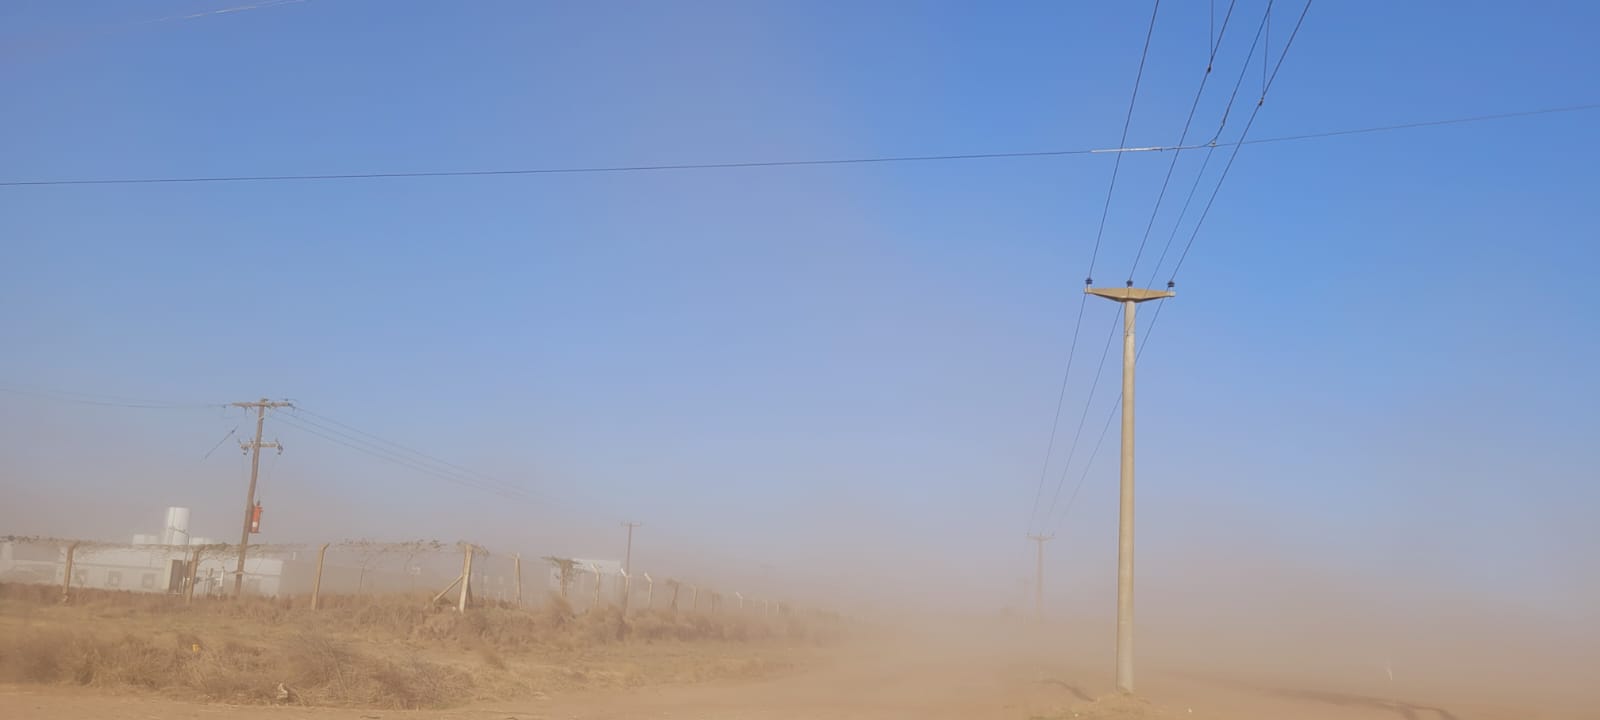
(66, 583)
(466, 579)
(694, 598)
(596, 604)
(194, 571)
(649, 592)
(516, 567)
(627, 589)
(766, 607)
(741, 599)
(316, 583)
(676, 586)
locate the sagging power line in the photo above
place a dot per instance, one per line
(578, 170)
(400, 455)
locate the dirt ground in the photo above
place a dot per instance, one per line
(872, 681)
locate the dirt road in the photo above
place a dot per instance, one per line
(861, 685)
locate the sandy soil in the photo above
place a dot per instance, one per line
(859, 684)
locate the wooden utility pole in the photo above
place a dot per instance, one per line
(254, 448)
(1130, 297)
(627, 556)
(1038, 576)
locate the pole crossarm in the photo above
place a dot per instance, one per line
(1129, 294)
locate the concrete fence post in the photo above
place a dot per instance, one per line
(66, 582)
(596, 604)
(466, 579)
(194, 572)
(316, 582)
(516, 569)
(649, 592)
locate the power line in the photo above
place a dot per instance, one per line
(1211, 145)
(1087, 403)
(1126, 123)
(1424, 124)
(561, 171)
(224, 439)
(1055, 420)
(399, 460)
(404, 449)
(793, 163)
(1112, 415)
(1266, 86)
(355, 443)
(1077, 326)
(320, 426)
(1182, 137)
(1244, 133)
(374, 449)
(1214, 42)
(1244, 68)
(108, 400)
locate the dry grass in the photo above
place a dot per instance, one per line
(319, 670)
(381, 652)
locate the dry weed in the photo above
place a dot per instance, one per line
(240, 652)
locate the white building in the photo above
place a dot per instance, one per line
(157, 563)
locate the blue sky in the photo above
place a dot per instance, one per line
(1378, 363)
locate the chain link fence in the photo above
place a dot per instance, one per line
(459, 574)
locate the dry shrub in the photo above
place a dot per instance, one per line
(33, 656)
(320, 670)
(491, 658)
(598, 626)
(326, 672)
(81, 658)
(234, 672)
(223, 650)
(416, 684)
(556, 612)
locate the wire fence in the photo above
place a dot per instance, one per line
(460, 575)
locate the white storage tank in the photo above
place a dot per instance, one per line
(176, 531)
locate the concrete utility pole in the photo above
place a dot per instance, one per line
(1130, 297)
(627, 557)
(254, 448)
(1038, 576)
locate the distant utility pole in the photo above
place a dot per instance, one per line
(254, 447)
(1038, 576)
(627, 557)
(1130, 297)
